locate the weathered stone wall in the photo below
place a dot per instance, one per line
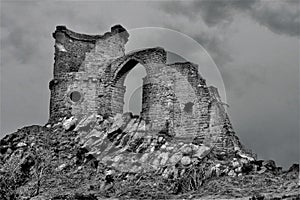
(70, 50)
(58, 106)
(89, 74)
(80, 63)
(221, 134)
(188, 110)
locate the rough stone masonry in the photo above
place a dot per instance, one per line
(89, 74)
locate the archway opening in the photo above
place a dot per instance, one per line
(134, 90)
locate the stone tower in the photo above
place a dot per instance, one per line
(79, 69)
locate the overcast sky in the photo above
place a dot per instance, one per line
(254, 43)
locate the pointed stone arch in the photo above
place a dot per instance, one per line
(153, 60)
(149, 58)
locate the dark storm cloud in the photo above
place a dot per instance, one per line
(215, 17)
(279, 16)
(212, 12)
(215, 12)
(216, 48)
(213, 39)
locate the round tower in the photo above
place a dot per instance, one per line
(79, 61)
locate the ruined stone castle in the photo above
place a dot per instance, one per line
(182, 145)
(89, 74)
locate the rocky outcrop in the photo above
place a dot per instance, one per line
(96, 157)
(124, 143)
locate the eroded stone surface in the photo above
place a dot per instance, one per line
(175, 100)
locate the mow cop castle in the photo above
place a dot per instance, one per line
(89, 74)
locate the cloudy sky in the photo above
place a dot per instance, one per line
(254, 43)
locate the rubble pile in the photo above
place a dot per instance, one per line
(96, 157)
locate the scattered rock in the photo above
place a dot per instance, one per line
(269, 164)
(8, 151)
(84, 123)
(186, 150)
(235, 163)
(21, 144)
(238, 169)
(99, 118)
(173, 161)
(262, 170)
(185, 160)
(231, 173)
(69, 124)
(175, 158)
(39, 198)
(61, 167)
(242, 155)
(294, 168)
(58, 124)
(164, 157)
(201, 151)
